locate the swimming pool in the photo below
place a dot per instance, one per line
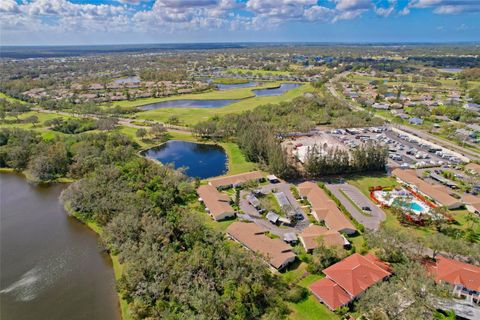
(416, 207)
(411, 204)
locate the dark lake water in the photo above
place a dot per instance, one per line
(237, 85)
(202, 160)
(187, 104)
(284, 87)
(52, 266)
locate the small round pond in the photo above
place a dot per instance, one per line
(200, 160)
(187, 104)
(284, 87)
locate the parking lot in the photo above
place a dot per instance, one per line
(404, 151)
(370, 218)
(253, 214)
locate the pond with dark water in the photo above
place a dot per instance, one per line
(52, 266)
(284, 87)
(186, 103)
(200, 160)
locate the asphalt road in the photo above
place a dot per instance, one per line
(472, 155)
(252, 214)
(371, 221)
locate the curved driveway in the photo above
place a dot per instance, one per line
(371, 221)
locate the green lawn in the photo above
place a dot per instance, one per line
(364, 182)
(190, 116)
(236, 160)
(237, 93)
(230, 81)
(10, 99)
(42, 117)
(310, 308)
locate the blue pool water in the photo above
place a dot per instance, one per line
(200, 160)
(416, 207)
(410, 204)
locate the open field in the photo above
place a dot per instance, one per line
(191, 116)
(46, 133)
(230, 81)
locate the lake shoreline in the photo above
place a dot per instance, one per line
(116, 265)
(110, 261)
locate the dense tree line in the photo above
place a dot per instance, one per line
(163, 75)
(259, 132)
(472, 74)
(174, 266)
(413, 289)
(12, 109)
(71, 157)
(70, 126)
(369, 157)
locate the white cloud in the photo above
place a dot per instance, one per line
(352, 5)
(444, 6)
(386, 11)
(9, 6)
(168, 16)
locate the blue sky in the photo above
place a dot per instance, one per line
(53, 22)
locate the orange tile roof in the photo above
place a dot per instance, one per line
(356, 273)
(325, 208)
(457, 273)
(436, 192)
(275, 251)
(235, 179)
(217, 203)
(330, 293)
(311, 236)
(472, 200)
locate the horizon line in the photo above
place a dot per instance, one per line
(475, 42)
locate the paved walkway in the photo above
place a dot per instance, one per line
(370, 221)
(460, 307)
